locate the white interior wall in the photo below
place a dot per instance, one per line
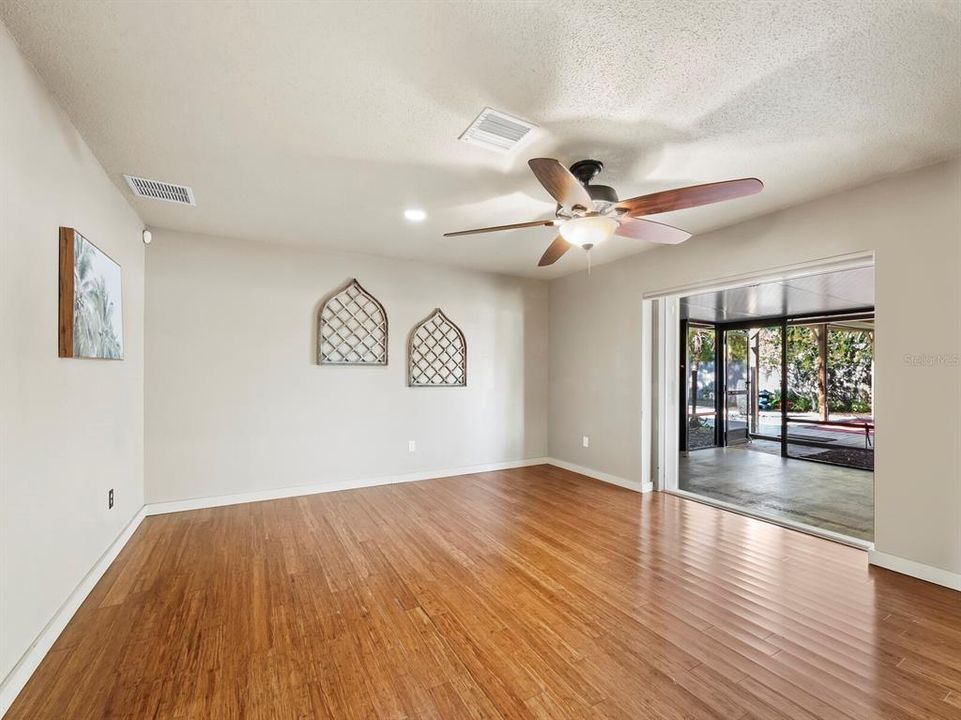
(912, 222)
(69, 429)
(235, 400)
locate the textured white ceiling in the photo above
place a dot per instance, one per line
(319, 123)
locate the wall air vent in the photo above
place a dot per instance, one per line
(159, 190)
(497, 131)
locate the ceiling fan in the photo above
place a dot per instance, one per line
(589, 214)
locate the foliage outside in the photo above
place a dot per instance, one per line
(700, 353)
(850, 360)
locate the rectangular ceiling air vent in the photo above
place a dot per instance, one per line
(497, 131)
(159, 190)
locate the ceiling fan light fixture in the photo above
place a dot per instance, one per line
(588, 231)
(415, 214)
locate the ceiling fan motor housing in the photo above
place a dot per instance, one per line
(604, 193)
(587, 170)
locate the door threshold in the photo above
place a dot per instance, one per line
(782, 522)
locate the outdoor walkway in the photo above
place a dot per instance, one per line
(829, 497)
(853, 436)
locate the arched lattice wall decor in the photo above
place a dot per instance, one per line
(353, 328)
(437, 353)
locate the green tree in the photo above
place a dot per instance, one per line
(850, 365)
(850, 358)
(700, 350)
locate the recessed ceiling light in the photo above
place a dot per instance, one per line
(415, 215)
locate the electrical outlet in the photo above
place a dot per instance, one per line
(110, 499)
(411, 446)
(586, 441)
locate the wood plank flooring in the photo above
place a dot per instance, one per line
(528, 593)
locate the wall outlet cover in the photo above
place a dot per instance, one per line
(586, 441)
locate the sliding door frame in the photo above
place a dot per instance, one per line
(783, 322)
(660, 411)
(684, 379)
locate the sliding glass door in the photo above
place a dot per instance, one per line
(737, 387)
(830, 364)
(764, 378)
(700, 379)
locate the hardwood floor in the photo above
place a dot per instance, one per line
(520, 594)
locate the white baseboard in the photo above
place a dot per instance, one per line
(602, 476)
(162, 508)
(201, 503)
(13, 683)
(915, 569)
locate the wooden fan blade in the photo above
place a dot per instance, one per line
(532, 223)
(688, 197)
(554, 252)
(560, 183)
(651, 231)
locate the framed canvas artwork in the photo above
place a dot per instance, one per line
(91, 301)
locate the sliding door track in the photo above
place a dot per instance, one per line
(783, 522)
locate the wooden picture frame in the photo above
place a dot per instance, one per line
(90, 310)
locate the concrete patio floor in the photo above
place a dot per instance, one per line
(826, 496)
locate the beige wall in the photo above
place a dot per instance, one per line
(235, 401)
(69, 429)
(913, 223)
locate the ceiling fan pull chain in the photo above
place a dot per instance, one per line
(588, 261)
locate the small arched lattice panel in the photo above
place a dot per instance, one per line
(353, 329)
(437, 353)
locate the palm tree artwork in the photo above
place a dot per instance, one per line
(97, 305)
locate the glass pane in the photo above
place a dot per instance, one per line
(830, 391)
(766, 375)
(701, 393)
(850, 373)
(736, 412)
(700, 431)
(736, 374)
(736, 360)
